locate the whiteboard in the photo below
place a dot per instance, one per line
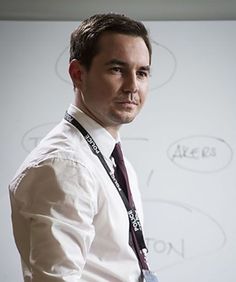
(182, 144)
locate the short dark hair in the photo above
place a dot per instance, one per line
(84, 40)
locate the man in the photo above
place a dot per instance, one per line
(69, 214)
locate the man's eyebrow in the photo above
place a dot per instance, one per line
(121, 63)
(146, 68)
(116, 62)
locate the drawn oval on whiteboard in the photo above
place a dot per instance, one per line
(204, 154)
(162, 72)
(32, 137)
(164, 65)
(182, 233)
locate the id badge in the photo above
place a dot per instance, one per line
(149, 276)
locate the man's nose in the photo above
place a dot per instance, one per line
(130, 84)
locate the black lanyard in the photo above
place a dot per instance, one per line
(132, 213)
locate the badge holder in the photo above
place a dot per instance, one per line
(149, 276)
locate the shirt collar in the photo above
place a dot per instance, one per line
(101, 136)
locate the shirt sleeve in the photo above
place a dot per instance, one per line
(57, 201)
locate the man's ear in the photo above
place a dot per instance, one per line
(76, 71)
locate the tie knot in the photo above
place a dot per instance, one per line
(117, 154)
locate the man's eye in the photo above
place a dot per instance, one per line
(116, 70)
(142, 74)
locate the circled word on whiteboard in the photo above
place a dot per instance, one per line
(200, 153)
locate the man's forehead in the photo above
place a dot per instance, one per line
(117, 45)
(120, 39)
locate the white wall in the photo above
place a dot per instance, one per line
(182, 144)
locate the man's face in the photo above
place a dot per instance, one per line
(116, 85)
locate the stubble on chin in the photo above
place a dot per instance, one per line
(123, 118)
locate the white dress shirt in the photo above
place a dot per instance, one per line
(69, 221)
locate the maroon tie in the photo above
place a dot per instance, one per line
(122, 177)
(121, 172)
